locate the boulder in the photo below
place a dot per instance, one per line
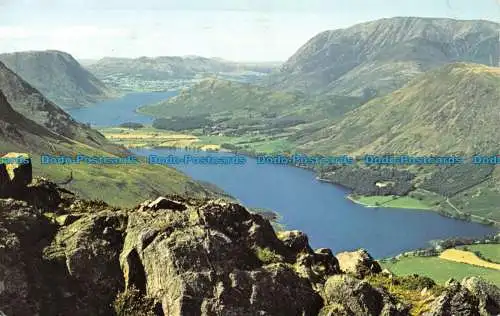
(359, 263)
(86, 254)
(295, 240)
(487, 294)
(346, 295)
(203, 261)
(15, 174)
(22, 234)
(456, 300)
(20, 172)
(162, 203)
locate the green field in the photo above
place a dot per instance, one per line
(391, 201)
(489, 252)
(439, 269)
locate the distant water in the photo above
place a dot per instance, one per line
(117, 111)
(322, 211)
(319, 209)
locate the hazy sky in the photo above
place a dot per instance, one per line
(244, 30)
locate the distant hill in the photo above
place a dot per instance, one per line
(171, 67)
(58, 76)
(452, 109)
(378, 57)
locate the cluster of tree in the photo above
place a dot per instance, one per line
(230, 147)
(180, 123)
(464, 241)
(286, 122)
(131, 125)
(363, 181)
(453, 179)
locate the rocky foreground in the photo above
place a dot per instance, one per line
(60, 255)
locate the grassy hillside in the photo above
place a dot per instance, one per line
(453, 109)
(378, 57)
(218, 107)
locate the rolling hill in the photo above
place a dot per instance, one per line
(58, 76)
(233, 107)
(170, 67)
(172, 72)
(377, 57)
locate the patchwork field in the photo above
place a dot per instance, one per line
(390, 201)
(467, 257)
(489, 252)
(453, 263)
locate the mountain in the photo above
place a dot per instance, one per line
(170, 67)
(184, 256)
(452, 109)
(375, 58)
(58, 76)
(32, 104)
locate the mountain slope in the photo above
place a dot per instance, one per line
(18, 133)
(381, 56)
(122, 185)
(448, 110)
(58, 76)
(236, 108)
(32, 104)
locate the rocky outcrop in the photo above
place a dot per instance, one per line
(15, 173)
(213, 258)
(487, 294)
(358, 263)
(455, 300)
(172, 256)
(346, 295)
(471, 296)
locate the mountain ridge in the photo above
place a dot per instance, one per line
(58, 75)
(332, 61)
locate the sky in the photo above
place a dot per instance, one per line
(239, 30)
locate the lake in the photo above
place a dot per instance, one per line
(118, 111)
(319, 209)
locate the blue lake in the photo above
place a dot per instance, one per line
(319, 209)
(117, 111)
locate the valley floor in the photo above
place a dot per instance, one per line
(452, 263)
